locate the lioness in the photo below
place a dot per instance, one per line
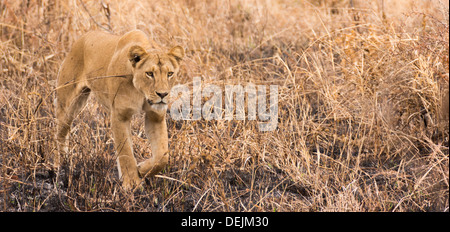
(128, 74)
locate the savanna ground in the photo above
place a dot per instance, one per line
(362, 107)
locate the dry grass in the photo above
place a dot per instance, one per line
(363, 107)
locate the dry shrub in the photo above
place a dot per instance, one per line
(363, 107)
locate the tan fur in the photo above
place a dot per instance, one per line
(115, 69)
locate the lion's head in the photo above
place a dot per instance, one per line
(152, 72)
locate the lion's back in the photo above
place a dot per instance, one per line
(98, 49)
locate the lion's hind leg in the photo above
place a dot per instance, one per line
(70, 100)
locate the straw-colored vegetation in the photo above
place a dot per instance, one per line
(362, 120)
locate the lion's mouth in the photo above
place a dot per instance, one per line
(155, 103)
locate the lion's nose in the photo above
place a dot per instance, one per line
(162, 95)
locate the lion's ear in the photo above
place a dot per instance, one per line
(135, 54)
(177, 52)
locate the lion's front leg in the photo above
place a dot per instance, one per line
(126, 163)
(156, 130)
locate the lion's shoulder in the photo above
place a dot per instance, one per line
(134, 37)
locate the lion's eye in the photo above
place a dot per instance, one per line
(169, 74)
(149, 74)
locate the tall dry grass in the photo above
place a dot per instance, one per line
(363, 107)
